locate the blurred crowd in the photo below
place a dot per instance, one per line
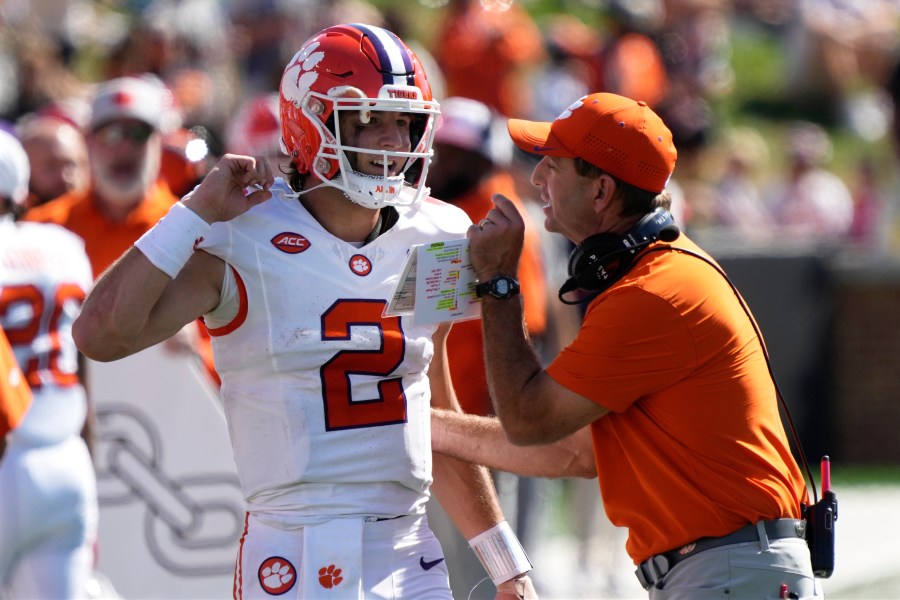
(206, 73)
(220, 62)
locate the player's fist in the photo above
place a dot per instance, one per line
(232, 187)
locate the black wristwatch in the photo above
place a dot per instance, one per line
(501, 286)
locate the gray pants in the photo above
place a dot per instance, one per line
(752, 570)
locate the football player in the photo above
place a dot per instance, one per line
(327, 400)
(48, 495)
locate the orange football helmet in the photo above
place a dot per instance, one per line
(357, 68)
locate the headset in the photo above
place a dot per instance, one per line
(603, 258)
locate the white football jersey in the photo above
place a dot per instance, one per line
(44, 277)
(327, 401)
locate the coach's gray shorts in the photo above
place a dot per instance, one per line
(742, 571)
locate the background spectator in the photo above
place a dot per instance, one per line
(738, 206)
(126, 196)
(630, 62)
(811, 202)
(48, 489)
(256, 130)
(569, 71)
(58, 155)
(487, 53)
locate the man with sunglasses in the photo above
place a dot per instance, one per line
(126, 196)
(128, 191)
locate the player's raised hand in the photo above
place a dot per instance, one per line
(232, 187)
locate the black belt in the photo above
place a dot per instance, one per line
(654, 568)
(377, 519)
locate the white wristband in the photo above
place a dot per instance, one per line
(500, 552)
(170, 243)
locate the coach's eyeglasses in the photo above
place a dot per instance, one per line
(135, 132)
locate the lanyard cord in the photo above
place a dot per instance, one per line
(778, 394)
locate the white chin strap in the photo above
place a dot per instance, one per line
(365, 190)
(373, 191)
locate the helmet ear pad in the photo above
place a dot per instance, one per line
(305, 139)
(299, 137)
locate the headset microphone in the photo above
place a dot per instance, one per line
(669, 233)
(602, 259)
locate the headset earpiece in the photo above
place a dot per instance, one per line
(596, 259)
(602, 259)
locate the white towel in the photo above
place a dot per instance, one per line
(332, 560)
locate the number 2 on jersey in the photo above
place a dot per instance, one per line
(342, 411)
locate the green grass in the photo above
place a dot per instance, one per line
(758, 100)
(757, 60)
(862, 476)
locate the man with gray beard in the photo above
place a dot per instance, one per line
(126, 196)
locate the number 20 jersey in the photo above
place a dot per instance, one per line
(327, 401)
(44, 277)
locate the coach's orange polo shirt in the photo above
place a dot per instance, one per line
(693, 445)
(104, 240)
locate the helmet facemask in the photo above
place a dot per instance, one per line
(405, 186)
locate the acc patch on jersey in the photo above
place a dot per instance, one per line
(290, 242)
(277, 575)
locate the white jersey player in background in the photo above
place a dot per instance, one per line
(48, 495)
(327, 400)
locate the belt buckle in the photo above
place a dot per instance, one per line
(639, 573)
(656, 566)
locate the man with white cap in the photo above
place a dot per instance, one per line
(668, 372)
(126, 196)
(48, 496)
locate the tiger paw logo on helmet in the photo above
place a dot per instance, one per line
(300, 73)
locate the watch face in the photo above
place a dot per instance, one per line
(501, 286)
